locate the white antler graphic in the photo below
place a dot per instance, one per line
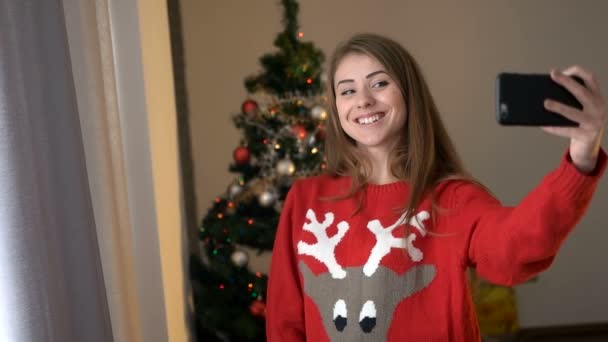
(323, 250)
(385, 241)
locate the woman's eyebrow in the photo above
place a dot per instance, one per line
(375, 73)
(371, 74)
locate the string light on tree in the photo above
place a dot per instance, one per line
(230, 208)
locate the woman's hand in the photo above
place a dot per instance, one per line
(585, 139)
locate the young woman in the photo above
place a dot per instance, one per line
(377, 249)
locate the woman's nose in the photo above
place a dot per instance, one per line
(365, 99)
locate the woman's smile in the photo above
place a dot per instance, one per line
(370, 119)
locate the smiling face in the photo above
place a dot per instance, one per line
(370, 105)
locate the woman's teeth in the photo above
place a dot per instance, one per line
(368, 120)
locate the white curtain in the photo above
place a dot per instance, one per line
(51, 284)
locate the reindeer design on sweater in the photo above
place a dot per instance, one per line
(357, 303)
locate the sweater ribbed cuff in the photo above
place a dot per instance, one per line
(568, 179)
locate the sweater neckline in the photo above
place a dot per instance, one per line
(397, 186)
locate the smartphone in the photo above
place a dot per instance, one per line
(520, 100)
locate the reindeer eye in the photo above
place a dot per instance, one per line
(340, 314)
(367, 317)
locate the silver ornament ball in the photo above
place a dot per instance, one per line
(267, 198)
(239, 258)
(278, 206)
(323, 77)
(286, 167)
(318, 112)
(235, 190)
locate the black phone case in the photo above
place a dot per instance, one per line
(520, 99)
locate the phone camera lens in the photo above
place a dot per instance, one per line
(504, 110)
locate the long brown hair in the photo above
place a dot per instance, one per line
(424, 155)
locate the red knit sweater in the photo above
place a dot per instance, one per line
(341, 277)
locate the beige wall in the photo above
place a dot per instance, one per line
(461, 45)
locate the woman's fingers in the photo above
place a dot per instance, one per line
(594, 111)
(566, 132)
(565, 110)
(590, 80)
(592, 118)
(582, 94)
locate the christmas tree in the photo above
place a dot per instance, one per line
(282, 139)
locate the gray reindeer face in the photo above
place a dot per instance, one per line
(360, 308)
(357, 303)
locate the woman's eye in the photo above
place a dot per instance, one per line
(347, 92)
(380, 84)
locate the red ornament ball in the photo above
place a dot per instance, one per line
(241, 155)
(258, 308)
(320, 136)
(299, 131)
(249, 107)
